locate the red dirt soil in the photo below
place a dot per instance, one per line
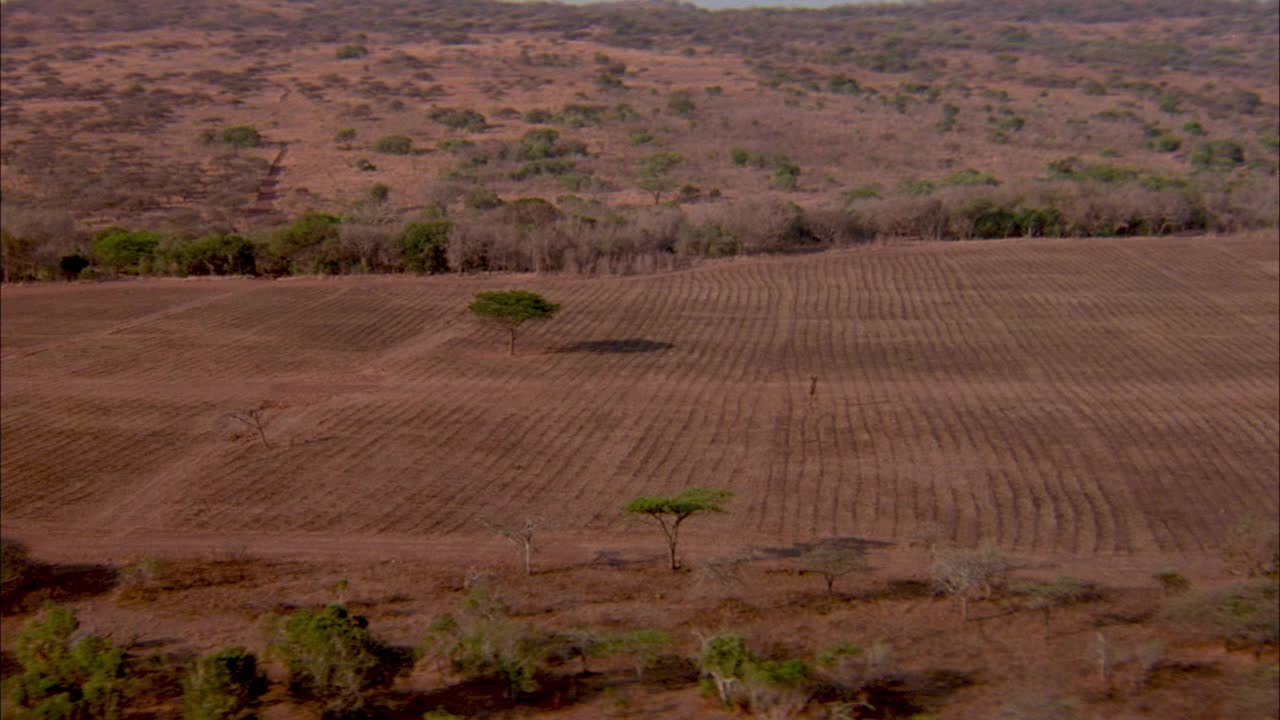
(1079, 397)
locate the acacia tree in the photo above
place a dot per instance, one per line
(512, 308)
(671, 512)
(833, 562)
(655, 174)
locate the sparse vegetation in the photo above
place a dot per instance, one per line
(1101, 400)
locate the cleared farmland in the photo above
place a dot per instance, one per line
(1079, 396)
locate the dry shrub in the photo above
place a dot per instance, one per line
(917, 217)
(373, 245)
(1244, 206)
(1252, 547)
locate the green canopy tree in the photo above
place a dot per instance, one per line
(512, 308)
(671, 512)
(655, 173)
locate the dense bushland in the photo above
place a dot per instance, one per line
(477, 230)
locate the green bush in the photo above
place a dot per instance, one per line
(458, 119)
(916, 188)
(1165, 143)
(1242, 615)
(843, 85)
(62, 680)
(969, 178)
(350, 52)
(709, 240)
(455, 145)
(1193, 128)
(344, 135)
(530, 212)
(538, 144)
(743, 157)
(862, 192)
(550, 166)
(125, 251)
(241, 136)
(223, 685)
(424, 246)
(1217, 155)
(642, 136)
(304, 246)
(481, 198)
(785, 174)
(539, 116)
(394, 145)
(1093, 87)
(215, 255)
(331, 655)
(768, 687)
(681, 103)
(481, 640)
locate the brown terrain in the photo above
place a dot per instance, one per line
(1093, 390)
(1099, 408)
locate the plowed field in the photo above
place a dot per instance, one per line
(1058, 396)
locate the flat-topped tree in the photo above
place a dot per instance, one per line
(512, 308)
(670, 512)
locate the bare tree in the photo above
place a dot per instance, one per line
(522, 535)
(969, 574)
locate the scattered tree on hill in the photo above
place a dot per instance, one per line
(512, 308)
(671, 512)
(64, 680)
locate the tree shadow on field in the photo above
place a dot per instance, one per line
(904, 695)
(486, 698)
(626, 345)
(800, 549)
(44, 582)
